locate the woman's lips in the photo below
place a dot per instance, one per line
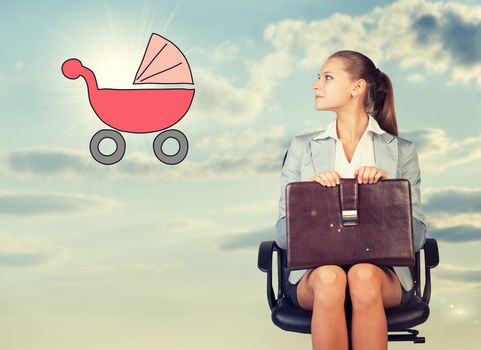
(319, 97)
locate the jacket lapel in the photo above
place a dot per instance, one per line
(385, 153)
(322, 154)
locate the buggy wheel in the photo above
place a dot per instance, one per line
(174, 158)
(107, 159)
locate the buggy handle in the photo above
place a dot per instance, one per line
(73, 68)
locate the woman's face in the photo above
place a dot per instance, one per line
(334, 86)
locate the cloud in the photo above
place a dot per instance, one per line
(245, 141)
(447, 26)
(415, 78)
(454, 200)
(457, 234)
(439, 152)
(426, 34)
(89, 284)
(430, 141)
(42, 203)
(249, 208)
(219, 100)
(29, 251)
(457, 273)
(224, 155)
(44, 161)
(224, 52)
(74, 165)
(448, 208)
(131, 267)
(247, 240)
(229, 155)
(186, 228)
(454, 234)
(455, 214)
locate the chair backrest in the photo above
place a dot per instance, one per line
(283, 272)
(284, 160)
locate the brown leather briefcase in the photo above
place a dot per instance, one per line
(349, 223)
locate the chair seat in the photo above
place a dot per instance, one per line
(408, 315)
(290, 318)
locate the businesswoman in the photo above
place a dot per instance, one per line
(362, 142)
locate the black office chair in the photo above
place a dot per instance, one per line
(399, 319)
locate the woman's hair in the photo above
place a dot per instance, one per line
(379, 98)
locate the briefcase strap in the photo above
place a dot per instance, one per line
(349, 201)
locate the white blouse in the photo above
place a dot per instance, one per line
(363, 154)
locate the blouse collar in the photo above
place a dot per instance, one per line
(330, 130)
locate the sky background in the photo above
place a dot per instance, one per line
(142, 255)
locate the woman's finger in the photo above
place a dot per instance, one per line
(332, 178)
(372, 173)
(316, 178)
(368, 173)
(379, 174)
(327, 178)
(337, 177)
(360, 174)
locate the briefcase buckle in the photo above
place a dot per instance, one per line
(349, 217)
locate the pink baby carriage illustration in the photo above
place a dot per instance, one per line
(141, 110)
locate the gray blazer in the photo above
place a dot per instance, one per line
(395, 155)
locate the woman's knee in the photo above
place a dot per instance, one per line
(328, 283)
(364, 284)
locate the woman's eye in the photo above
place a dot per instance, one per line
(327, 75)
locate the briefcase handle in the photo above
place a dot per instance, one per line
(349, 201)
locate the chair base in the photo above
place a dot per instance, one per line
(412, 337)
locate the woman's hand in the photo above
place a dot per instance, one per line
(369, 174)
(329, 178)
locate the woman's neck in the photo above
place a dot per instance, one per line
(350, 128)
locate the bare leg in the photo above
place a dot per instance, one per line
(371, 290)
(323, 291)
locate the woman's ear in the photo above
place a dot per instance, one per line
(358, 87)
